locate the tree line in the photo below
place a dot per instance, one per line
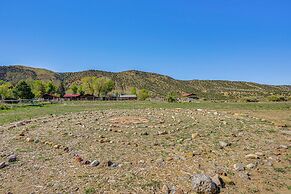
(28, 89)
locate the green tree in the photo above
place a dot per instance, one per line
(107, 86)
(81, 90)
(102, 86)
(172, 97)
(143, 94)
(50, 88)
(62, 89)
(88, 84)
(38, 88)
(6, 89)
(97, 86)
(23, 91)
(133, 90)
(74, 89)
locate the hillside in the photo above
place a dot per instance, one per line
(158, 84)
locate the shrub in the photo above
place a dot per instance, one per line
(172, 97)
(3, 107)
(276, 98)
(251, 99)
(143, 94)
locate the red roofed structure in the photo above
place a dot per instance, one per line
(72, 96)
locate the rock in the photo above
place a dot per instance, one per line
(250, 166)
(223, 144)
(245, 176)
(79, 159)
(57, 146)
(95, 163)
(66, 149)
(112, 164)
(226, 180)
(145, 133)
(202, 183)
(12, 158)
(239, 167)
(283, 147)
(85, 162)
(252, 156)
(29, 139)
(260, 154)
(286, 132)
(195, 135)
(2, 165)
(218, 181)
(160, 161)
(162, 133)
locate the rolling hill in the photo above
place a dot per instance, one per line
(158, 85)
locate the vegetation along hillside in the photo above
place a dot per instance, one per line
(158, 85)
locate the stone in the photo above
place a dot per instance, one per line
(218, 181)
(195, 135)
(283, 147)
(29, 139)
(162, 132)
(245, 176)
(250, 166)
(252, 156)
(85, 162)
(112, 164)
(286, 132)
(145, 133)
(66, 149)
(239, 167)
(79, 159)
(223, 144)
(57, 146)
(2, 165)
(226, 180)
(259, 154)
(202, 183)
(12, 158)
(95, 163)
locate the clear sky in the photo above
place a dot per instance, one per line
(187, 39)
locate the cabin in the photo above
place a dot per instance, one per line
(188, 97)
(50, 97)
(72, 96)
(127, 97)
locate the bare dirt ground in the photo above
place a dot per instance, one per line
(144, 151)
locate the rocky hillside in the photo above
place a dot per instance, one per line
(158, 84)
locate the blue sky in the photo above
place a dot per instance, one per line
(187, 39)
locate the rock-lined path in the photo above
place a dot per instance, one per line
(144, 151)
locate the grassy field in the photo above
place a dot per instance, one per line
(28, 112)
